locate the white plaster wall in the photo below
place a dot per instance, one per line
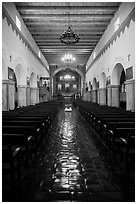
(20, 53)
(117, 53)
(122, 13)
(11, 9)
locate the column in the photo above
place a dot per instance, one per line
(22, 93)
(94, 96)
(54, 86)
(98, 96)
(102, 96)
(115, 95)
(130, 95)
(5, 95)
(50, 87)
(84, 86)
(28, 96)
(8, 92)
(109, 95)
(34, 95)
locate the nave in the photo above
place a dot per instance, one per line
(71, 165)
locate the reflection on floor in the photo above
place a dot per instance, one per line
(70, 167)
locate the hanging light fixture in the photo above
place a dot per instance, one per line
(68, 58)
(69, 37)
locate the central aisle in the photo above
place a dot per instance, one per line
(69, 167)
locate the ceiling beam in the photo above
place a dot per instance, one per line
(63, 23)
(86, 15)
(55, 37)
(59, 32)
(55, 40)
(61, 29)
(66, 47)
(67, 8)
(65, 19)
(59, 44)
(66, 50)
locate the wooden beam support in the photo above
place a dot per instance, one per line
(67, 8)
(53, 16)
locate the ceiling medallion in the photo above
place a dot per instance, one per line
(69, 37)
(68, 58)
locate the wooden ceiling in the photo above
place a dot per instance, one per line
(46, 21)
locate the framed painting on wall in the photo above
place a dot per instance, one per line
(129, 73)
(10, 73)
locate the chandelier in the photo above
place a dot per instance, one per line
(69, 37)
(68, 58)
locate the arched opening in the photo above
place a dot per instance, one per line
(95, 85)
(33, 80)
(118, 80)
(16, 91)
(102, 81)
(67, 84)
(20, 75)
(20, 85)
(122, 90)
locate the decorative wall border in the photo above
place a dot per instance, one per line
(118, 32)
(10, 21)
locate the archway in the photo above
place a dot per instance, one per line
(78, 71)
(118, 86)
(33, 80)
(16, 91)
(102, 82)
(20, 86)
(116, 74)
(20, 74)
(34, 91)
(122, 90)
(94, 90)
(67, 84)
(94, 84)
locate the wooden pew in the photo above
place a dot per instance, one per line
(113, 137)
(23, 141)
(30, 130)
(127, 151)
(10, 166)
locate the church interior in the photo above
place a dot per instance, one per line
(68, 101)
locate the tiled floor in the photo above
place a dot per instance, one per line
(71, 168)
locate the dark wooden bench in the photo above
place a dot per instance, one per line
(127, 150)
(113, 137)
(23, 141)
(24, 129)
(10, 166)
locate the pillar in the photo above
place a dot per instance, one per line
(22, 95)
(102, 96)
(8, 92)
(50, 87)
(28, 102)
(34, 95)
(130, 95)
(94, 96)
(115, 95)
(98, 96)
(109, 95)
(84, 86)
